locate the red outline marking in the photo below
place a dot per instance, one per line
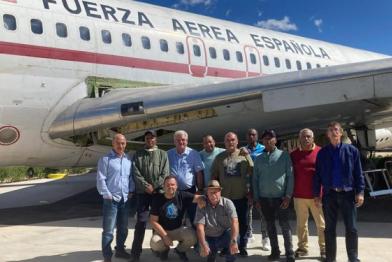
(15, 140)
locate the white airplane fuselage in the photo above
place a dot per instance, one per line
(56, 45)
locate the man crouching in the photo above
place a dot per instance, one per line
(166, 215)
(217, 225)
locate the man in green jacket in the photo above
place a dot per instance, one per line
(150, 167)
(273, 184)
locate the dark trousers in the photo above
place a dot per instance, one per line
(271, 209)
(191, 211)
(143, 210)
(241, 206)
(115, 215)
(333, 202)
(218, 243)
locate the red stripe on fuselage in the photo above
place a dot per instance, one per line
(105, 59)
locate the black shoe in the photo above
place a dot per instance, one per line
(134, 258)
(290, 259)
(243, 252)
(274, 256)
(164, 255)
(107, 259)
(121, 253)
(181, 255)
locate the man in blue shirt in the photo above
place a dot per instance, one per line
(116, 185)
(208, 155)
(185, 163)
(339, 173)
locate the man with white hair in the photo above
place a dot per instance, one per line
(304, 168)
(185, 163)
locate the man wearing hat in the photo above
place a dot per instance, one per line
(150, 167)
(273, 184)
(217, 225)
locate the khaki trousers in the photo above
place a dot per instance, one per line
(186, 238)
(302, 207)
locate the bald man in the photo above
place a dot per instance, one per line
(115, 184)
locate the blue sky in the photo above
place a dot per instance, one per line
(361, 24)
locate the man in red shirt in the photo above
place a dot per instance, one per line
(304, 165)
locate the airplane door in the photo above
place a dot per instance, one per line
(252, 60)
(197, 58)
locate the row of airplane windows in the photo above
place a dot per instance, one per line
(106, 36)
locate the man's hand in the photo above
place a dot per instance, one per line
(317, 202)
(285, 203)
(244, 151)
(149, 189)
(233, 248)
(205, 250)
(359, 199)
(167, 240)
(201, 202)
(250, 199)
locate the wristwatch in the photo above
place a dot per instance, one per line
(233, 241)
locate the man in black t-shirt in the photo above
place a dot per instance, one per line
(166, 215)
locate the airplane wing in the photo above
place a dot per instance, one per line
(360, 93)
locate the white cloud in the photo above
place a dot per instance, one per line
(279, 25)
(188, 3)
(228, 12)
(318, 23)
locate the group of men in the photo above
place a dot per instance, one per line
(217, 189)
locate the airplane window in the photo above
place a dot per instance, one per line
(212, 51)
(196, 50)
(164, 45)
(288, 64)
(277, 62)
(308, 65)
(127, 40)
(265, 60)
(36, 26)
(239, 56)
(180, 48)
(61, 30)
(84, 33)
(299, 66)
(386, 138)
(106, 36)
(226, 54)
(9, 22)
(318, 65)
(252, 58)
(146, 42)
(382, 139)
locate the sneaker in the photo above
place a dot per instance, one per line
(301, 252)
(121, 253)
(243, 252)
(181, 255)
(164, 255)
(290, 259)
(274, 257)
(265, 245)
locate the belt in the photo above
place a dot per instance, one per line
(337, 189)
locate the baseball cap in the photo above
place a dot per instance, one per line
(269, 132)
(152, 132)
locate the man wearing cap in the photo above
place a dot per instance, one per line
(150, 167)
(208, 155)
(115, 184)
(339, 174)
(304, 167)
(217, 225)
(167, 212)
(273, 183)
(186, 165)
(233, 170)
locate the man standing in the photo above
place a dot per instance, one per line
(186, 165)
(167, 212)
(217, 225)
(254, 148)
(115, 184)
(304, 167)
(233, 170)
(272, 188)
(339, 172)
(150, 167)
(208, 155)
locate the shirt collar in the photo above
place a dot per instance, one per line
(313, 147)
(151, 149)
(186, 152)
(114, 154)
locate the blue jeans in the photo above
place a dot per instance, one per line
(218, 243)
(271, 208)
(115, 214)
(345, 203)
